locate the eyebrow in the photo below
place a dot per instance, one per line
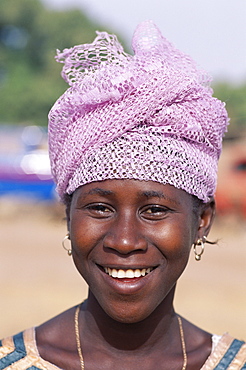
(153, 194)
(99, 191)
(158, 194)
(148, 194)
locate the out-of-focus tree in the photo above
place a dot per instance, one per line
(29, 76)
(235, 98)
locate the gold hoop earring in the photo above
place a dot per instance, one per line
(69, 250)
(198, 248)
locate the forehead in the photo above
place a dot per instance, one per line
(133, 189)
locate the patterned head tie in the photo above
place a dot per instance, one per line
(147, 116)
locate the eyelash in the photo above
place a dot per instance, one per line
(148, 212)
(99, 208)
(158, 208)
(156, 211)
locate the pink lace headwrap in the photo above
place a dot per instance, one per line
(150, 116)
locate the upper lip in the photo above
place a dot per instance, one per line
(127, 267)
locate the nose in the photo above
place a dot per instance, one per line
(125, 236)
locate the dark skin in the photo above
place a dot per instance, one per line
(125, 322)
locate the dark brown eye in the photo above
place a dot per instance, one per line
(154, 209)
(99, 209)
(154, 212)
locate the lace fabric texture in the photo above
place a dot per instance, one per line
(153, 110)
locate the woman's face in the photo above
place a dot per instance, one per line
(131, 241)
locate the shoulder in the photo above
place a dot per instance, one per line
(20, 352)
(50, 332)
(226, 352)
(229, 353)
(14, 349)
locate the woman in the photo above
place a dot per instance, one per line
(134, 144)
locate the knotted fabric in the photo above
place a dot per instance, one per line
(147, 116)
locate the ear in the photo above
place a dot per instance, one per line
(206, 218)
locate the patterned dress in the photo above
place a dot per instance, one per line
(20, 353)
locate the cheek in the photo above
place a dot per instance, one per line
(85, 237)
(83, 233)
(174, 240)
(81, 241)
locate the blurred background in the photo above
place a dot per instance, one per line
(38, 279)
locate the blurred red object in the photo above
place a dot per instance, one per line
(231, 188)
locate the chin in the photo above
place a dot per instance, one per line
(127, 319)
(128, 312)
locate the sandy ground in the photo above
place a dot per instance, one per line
(38, 279)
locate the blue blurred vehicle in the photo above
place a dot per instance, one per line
(24, 163)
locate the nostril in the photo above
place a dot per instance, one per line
(125, 236)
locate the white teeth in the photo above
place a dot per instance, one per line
(143, 272)
(114, 273)
(129, 274)
(121, 274)
(137, 273)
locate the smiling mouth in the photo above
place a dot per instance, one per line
(127, 274)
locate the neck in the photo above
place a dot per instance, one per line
(155, 330)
